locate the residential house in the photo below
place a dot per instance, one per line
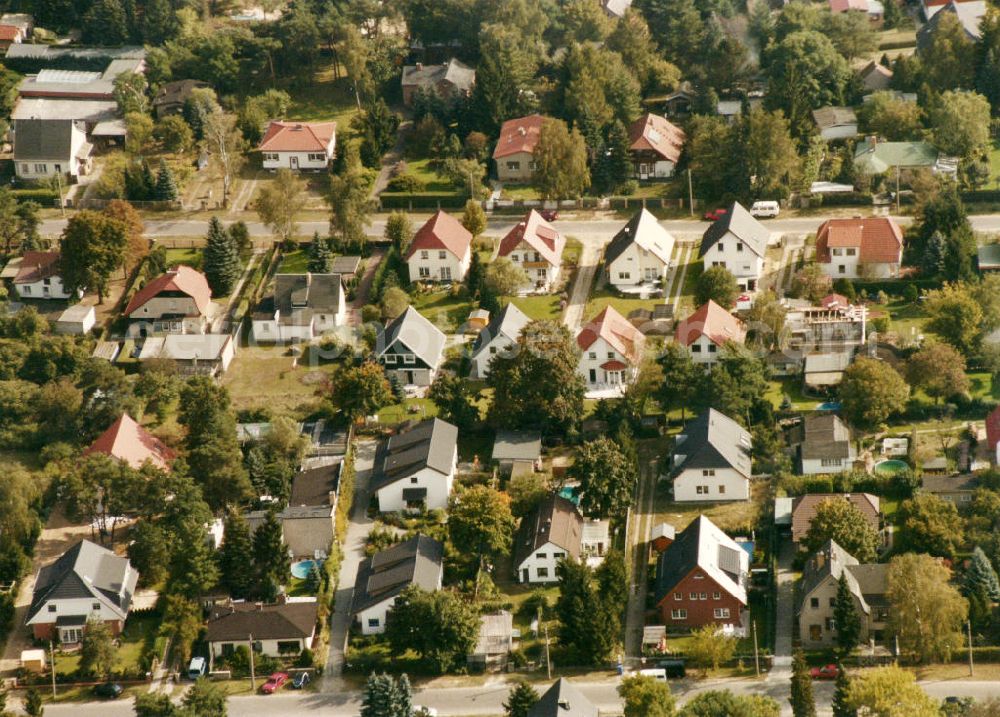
(873, 157)
(518, 451)
(873, 8)
(875, 77)
(382, 577)
(678, 103)
(77, 320)
(836, 122)
(822, 444)
(655, 145)
(412, 347)
(989, 258)
(825, 370)
(495, 640)
(176, 302)
(36, 276)
(497, 339)
(552, 531)
(307, 530)
(563, 699)
(969, 14)
(22, 21)
(536, 246)
(208, 354)
(449, 81)
(303, 307)
(281, 629)
(172, 96)
(711, 460)
(441, 250)
(729, 110)
(87, 582)
(514, 153)
(702, 578)
(835, 325)
(10, 35)
(804, 510)
(416, 468)
(319, 486)
(130, 443)
(930, 8)
(707, 330)
(736, 242)
(616, 9)
(639, 253)
(957, 489)
(862, 247)
(45, 149)
(821, 575)
(611, 350)
(298, 145)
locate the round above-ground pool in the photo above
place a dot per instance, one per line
(302, 569)
(890, 467)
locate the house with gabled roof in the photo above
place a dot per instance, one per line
(552, 531)
(416, 468)
(712, 460)
(130, 443)
(441, 250)
(872, 8)
(499, 336)
(611, 350)
(46, 148)
(875, 77)
(655, 145)
(284, 628)
(639, 253)
(822, 444)
(515, 151)
(450, 80)
(35, 275)
(87, 582)
(835, 122)
(178, 301)
(969, 13)
(702, 578)
(737, 242)
(707, 330)
(382, 577)
(869, 247)
(298, 145)
(411, 347)
(874, 156)
(563, 699)
(302, 308)
(804, 510)
(535, 246)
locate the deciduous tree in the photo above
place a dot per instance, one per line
(479, 519)
(560, 156)
(474, 218)
(607, 477)
(399, 231)
(439, 626)
(927, 612)
(97, 650)
(889, 691)
(504, 277)
(710, 647)
(723, 702)
(927, 523)
(360, 390)
(839, 520)
(644, 696)
(956, 316)
(717, 284)
(939, 370)
(205, 699)
(92, 247)
(871, 391)
(226, 147)
(885, 114)
(280, 202)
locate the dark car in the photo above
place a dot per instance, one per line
(108, 690)
(675, 669)
(300, 680)
(549, 215)
(826, 672)
(715, 215)
(274, 682)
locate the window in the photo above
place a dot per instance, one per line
(373, 622)
(413, 480)
(592, 355)
(611, 355)
(699, 576)
(815, 632)
(532, 165)
(513, 257)
(692, 596)
(493, 349)
(409, 359)
(390, 358)
(541, 556)
(446, 273)
(270, 157)
(852, 252)
(26, 290)
(425, 255)
(678, 614)
(841, 269)
(722, 490)
(838, 252)
(701, 490)
(829, 461)
(833, 601)
(514, 166)
(814, 603)
(442, 254)
(712, 348)
(96, 606)
(623, 275)
(228, 649)
(24, 168)
(559, 556)
(678, 596)
(716, 596)
(52, 608)
(316, 157)
(288, 646)
(708, 472)
(831, 624)
(721, 246)
(696, 348)
(543, 572)
(739, 246)
(40, 168)
(720, 613)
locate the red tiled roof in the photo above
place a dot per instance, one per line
(613, 366)
(37, 265)
(713, 321)
(539, 235)
(878, 239)
(518, 135)
(9, 32)
(804, 509)
(837, 300)
(845, 5)
(442, 231)
(180, 278)
(656, 134)
(127, 441)
(993, 428)
(298, 136)
(616, 330)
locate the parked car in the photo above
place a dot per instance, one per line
(715, 214)
(300, 680)
(764, 209)
(197, 668)
(419, 711)
(549, 215)
(826, 672)
(674, 668)
(108, 690)
(274, 683)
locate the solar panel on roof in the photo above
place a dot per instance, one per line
(729, 561)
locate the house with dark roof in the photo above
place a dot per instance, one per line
(281, 629)
(36, 276)
(87, 582)
(707, 330)
(611, 350)
(822, 444)
(130, 443)
(958, 489)
(702, 578)
(307, 530)
(711, 460)
(382, 577)
(518, 450)
(415, 469)
(515, 150)
(171, 96)
(552, 531)
(317, 486)
(448, 81)
(804, 510)
(563, 699)
(303, 307)
(823, 370)
(736, 242)
(298, 145)
(441, 250)
(836, 122)
(655, 145)
(868, 584)
(535, 246)
(496, 339)
(863, 246)
(969, 14)
(875, 77)
(411, 347)
(46, 148)
(639, 253)
(178, 301)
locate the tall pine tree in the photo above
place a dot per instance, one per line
(845, 614)
(166, 185)
(270, 557)
(841, 706)
(981, 578)
(385, 696)
(320, 256)
(236, 555)
(803, 703)
(222, 260)
(613, 165)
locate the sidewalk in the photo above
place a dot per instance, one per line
(784, 613)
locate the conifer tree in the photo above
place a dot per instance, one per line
(981, 577)
(236, 555)
(474, 276)
(845, 615)
(803, 703)
(222, 260)
(520, 700)
(842, 688)
(270, 557)
(166, 185)
(320, 256)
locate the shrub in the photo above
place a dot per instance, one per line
(406, 183)
(306, 659)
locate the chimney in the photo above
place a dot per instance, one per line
(420, 65)
(522, 131)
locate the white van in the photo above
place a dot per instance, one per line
(659, 674)
(764, 210)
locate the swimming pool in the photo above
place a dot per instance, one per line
(302, 569)
(890, 467)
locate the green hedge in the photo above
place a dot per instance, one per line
(422, 200)
(844, 199)
(896, 45)
(42, 195)
(893, 287)
(981, 195)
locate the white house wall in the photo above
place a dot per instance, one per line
(498, 345)
(602, 352)
(36, 289)
(545, 560)
(541, 270)
(437, 267)
(74, 606)
(743, 263)
(296, 160)
(390, 498)
(727, 484)
(703, 350)
(636, 265)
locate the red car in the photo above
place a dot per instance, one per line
(274, 683)
(549, 215)
(826, 672)
(715, 215)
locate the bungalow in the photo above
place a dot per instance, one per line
(441, 250)
(552, 531)
(307, 530)
(36, 276)
(535, 246)
(863, 247)
(495, 641)
(449, 81)
(172, 96)
(711, 460)
(563, 699)
(639, 252)
(836, 122)
(702, 578)
(416, 468)
(875, 77)
(956, 489)
(873, 8)
(281, 629)
(49, 148)
(823, 371)
(298, 145)
(707, 330)
(208, 354)
(655, 145)
(87, 582)
(736, 242)
(518, 450)
(176, 302)
(130, 443)
(822, 444)
(514, 153)
(611, 351)
(418, 561)
(411, 347)
(302, 308)
(804, 510)
(820, 581)
(497, 339)
(873, 157)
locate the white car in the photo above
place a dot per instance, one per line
(764, 209)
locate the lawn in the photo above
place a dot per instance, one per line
(139, 631)
(294, 262)
(730, 516)
(264, 376)
(520, 192)
(190, 257)
(981, 385)
(325, 98)
(408, 410)
(444, 309)
(542, 306)
(421, 169)
(792, 387)
(606, 296)
(906, 320)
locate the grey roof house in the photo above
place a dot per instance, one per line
(450, 80)
(836, 122)
(500, 334)
(956, 489)
(737, 242)
(711, 459)
(49, 147)
(562, 699)
(822, 444)
(382, 577)
(415, 468)
(969, 14)
(302, 308)
(411, 347)
(495, 641)
(517, 450)
(283, 628)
